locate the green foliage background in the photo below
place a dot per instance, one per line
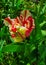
(32, 51)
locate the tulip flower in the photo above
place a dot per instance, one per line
(20, 27)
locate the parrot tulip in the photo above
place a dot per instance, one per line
(20, 27)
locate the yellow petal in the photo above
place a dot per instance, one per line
(17, 39)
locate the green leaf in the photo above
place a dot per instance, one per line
(12, 48)
(18, 2)
(44, 22)
(29, 49)
(28, 63)
(43, 32)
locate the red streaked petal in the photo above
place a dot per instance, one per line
(29, 31)
(25, 22)
(25, 14)
(13, 29)
(21, 18)
(17, 20)
(21, 35)
(8, 20)
(13, 35)
(30, 18)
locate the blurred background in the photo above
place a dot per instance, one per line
(32, 51)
